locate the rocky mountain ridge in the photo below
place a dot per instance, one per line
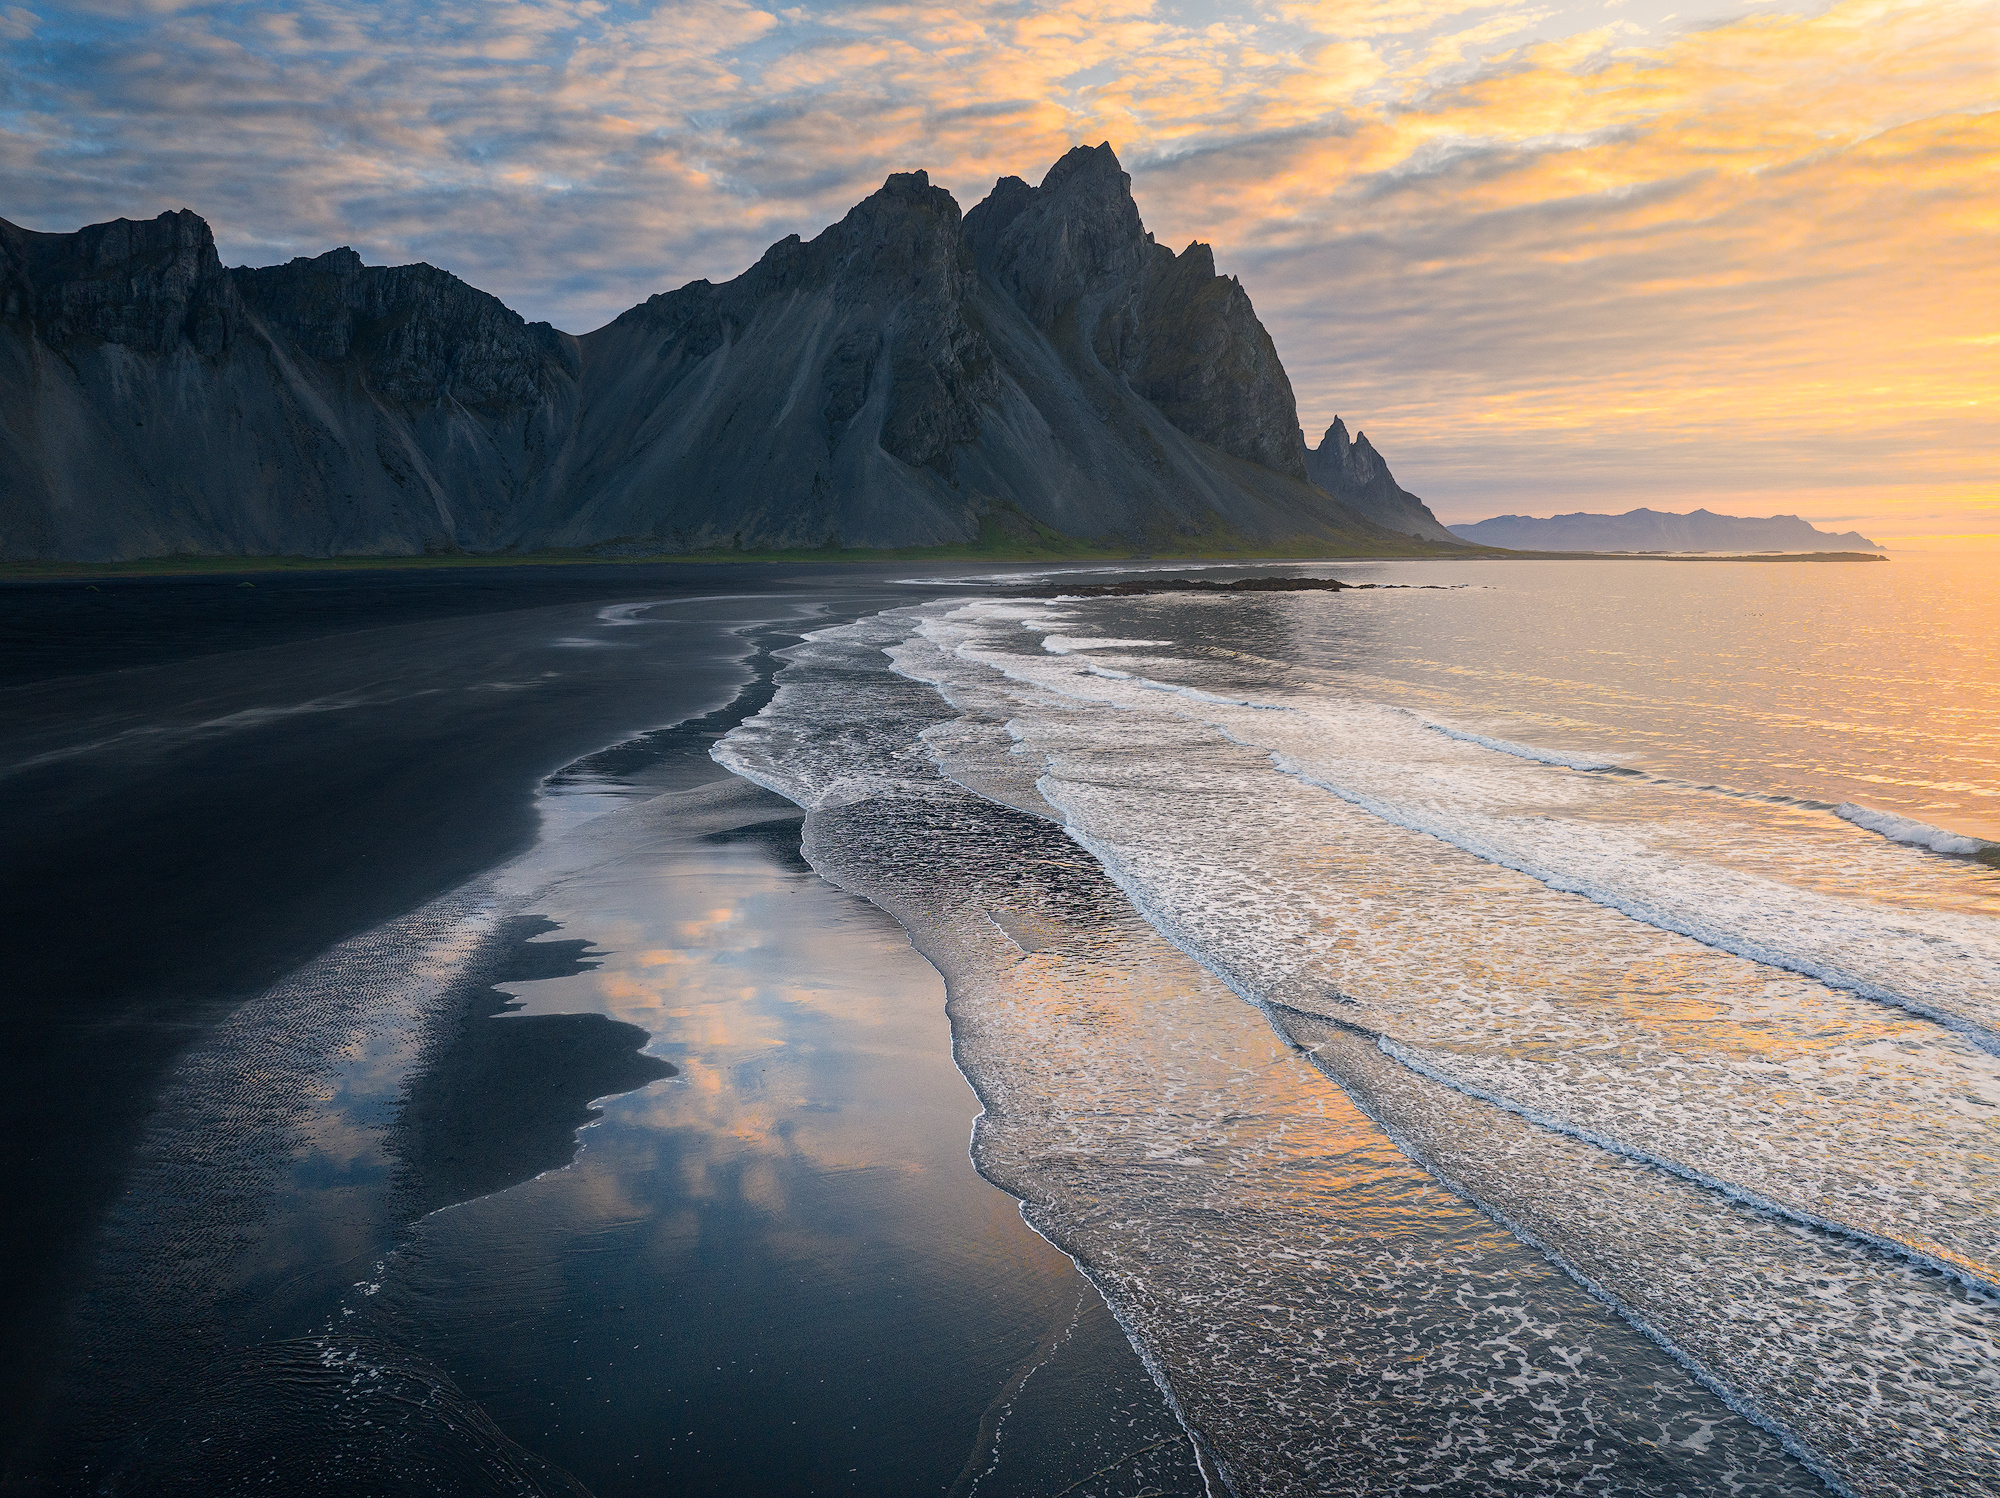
(909, 377)
(1354, 473)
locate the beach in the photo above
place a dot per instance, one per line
(273, 1109)
(860, 1029)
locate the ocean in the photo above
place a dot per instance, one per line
(1503, 1027)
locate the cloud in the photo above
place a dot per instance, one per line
(1525, 248)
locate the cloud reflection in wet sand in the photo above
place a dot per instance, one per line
(777, 1268)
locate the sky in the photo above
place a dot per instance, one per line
(1572, 255)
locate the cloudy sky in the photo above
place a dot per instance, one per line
(1581, 254)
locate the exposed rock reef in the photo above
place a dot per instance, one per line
(1654, 530)
(1354, 473)
(910, 377)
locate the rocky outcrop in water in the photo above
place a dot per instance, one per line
(909, 377)
(1354, 473)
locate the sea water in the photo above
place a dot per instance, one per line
(1516, 1027)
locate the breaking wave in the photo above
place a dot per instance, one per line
(1915, 834)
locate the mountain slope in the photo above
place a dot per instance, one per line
(1654, 530)
(152, 402)
(907, 378)
(1354, 473)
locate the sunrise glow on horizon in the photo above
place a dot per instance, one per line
(1576, 257)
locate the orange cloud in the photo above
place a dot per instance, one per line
(1533, 252)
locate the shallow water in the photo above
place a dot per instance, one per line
(1531, 870)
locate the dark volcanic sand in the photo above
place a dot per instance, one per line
(206, 785)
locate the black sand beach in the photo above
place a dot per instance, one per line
(262, 1021)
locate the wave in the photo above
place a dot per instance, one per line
(1526, 751)
(1070, 644)
(1308, 896)
(1930, 964)
(1193, 694)
(1969, 1276)
(1719, 908)
(1897, 829)
(1916, 834)
(1657, 1119)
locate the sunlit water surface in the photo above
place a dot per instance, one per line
(1524, 1027)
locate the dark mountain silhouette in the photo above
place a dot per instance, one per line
(1354, 473)
(910, 377)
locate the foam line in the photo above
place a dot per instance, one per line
(1167, 927)
(1916, 834)
(1524, 751)
(1736, 1401)
(1734, 943)
(1171, 930)
(1894, 1247)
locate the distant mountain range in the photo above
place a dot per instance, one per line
(1653, 530)
(1037, 368)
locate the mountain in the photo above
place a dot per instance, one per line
(1653, 530)
(1354, 473)
(152, 402)
(910, 377)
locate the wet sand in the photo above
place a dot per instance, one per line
(303, 975)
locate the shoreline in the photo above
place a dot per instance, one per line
(1117, 1071)
(285, 783)
(240, 566)
(353, 1161)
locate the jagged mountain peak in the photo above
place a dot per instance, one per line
(418, 335)
(1066, 242)
(1096, 167)
(909, 376)
(1355, 474)
(153, 284)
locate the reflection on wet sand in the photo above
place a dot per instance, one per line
(498, 1098)
(776, 1270)
(771, 1266)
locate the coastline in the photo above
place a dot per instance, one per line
(235, 566)
(1165, 1133)
(1059, 995)
(204, 803)
(348, 1118)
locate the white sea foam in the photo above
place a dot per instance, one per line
(1523, 751)
(1719, 1146)
(1575, 836)
(1069, 644)
(1193, 694)
(1236, 866)
(625, 613)
(635, 613)
(1916, 834)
